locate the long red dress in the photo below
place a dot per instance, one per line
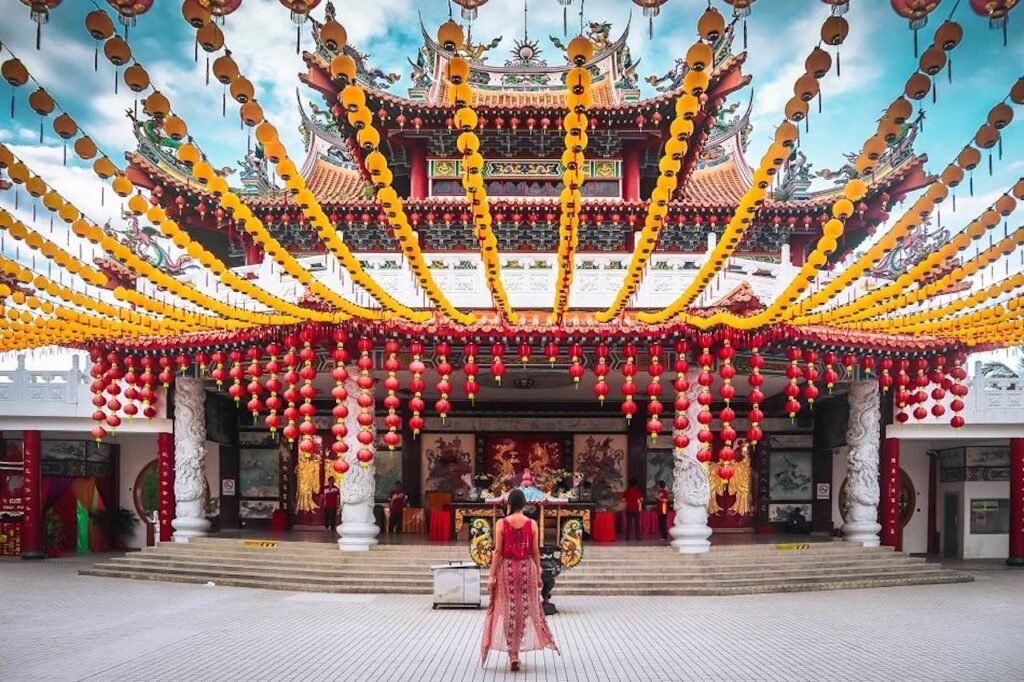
(515, 619)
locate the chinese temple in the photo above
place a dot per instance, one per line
(537, 261)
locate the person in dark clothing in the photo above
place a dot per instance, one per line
(634, 498)
(662, 499)
(396, 505)
(331, 498)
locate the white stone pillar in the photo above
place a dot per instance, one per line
(190, 487)
(358, 529)
(862, 440)
(691, 489)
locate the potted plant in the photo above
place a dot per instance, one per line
(117, 524)
(53, 534)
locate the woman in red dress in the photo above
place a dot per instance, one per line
(515, 619)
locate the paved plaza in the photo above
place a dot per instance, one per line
(56, 625)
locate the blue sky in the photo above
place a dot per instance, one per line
(876, 59)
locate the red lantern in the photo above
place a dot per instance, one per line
(497, 362)
(469, 8)
(996, 11)
(39, 11)
(524, 353)
(129, 10)
(551, 351)
(916, 13)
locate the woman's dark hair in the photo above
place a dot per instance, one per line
(516, 500)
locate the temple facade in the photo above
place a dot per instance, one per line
(771, 429)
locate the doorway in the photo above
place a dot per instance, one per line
(951, 526)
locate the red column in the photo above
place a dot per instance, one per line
(417, 171)
(630, 172)
(165, 483)
(32, 522)
(1016, 502)
(253, 254)
(890, 497)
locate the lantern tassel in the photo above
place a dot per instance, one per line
(96, 58)
(39, 35)
(65, 153)
(915, 43)
(839, 63)
(565, 20)
(207, 69)
(298, 37)
(115, 81)
(40, 130)
(224, 103)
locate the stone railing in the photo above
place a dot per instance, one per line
(530, 278)
(45, 393)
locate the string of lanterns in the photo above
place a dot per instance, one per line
(578, 99)
(699, 60)
(786, 136)
(450, 37)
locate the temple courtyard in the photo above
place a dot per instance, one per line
(55, 624)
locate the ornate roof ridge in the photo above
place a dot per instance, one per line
(605, 53)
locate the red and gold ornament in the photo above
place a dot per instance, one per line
(391, 401)
(471, 369)
(444, 387)
(416, 388)
(601, 369)
(628, 386)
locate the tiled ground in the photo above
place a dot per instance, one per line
(57, 625)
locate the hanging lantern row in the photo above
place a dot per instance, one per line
(578, 99)
(115, 377)
(700, 62)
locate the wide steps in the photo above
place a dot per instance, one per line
(605, 570)
(584, 572)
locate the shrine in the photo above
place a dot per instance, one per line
(540, 270)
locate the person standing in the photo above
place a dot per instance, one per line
(662, 499)
(331, 496)
(515, 619)
(396, 507)
(634, 498)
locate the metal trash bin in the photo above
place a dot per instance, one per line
(457, 585)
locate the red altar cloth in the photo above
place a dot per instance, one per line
(440, 526)
(649, 524)
(604, 527)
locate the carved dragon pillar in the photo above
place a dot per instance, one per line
(190, 486)
(358, 529)
(862, 439)
(691, 488)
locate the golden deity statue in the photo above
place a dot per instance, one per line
(741, 483)
(307, 474)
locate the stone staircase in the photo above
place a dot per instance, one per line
(605, 570)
